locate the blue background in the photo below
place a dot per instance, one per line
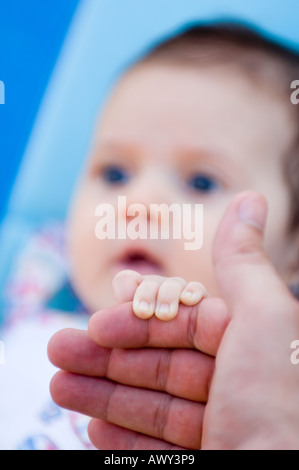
(31, 34)
(58, 60)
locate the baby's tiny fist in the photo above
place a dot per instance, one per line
(156, 295)
(193, 293)
(161, 296)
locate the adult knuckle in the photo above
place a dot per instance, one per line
(161, 415)
(162, 370)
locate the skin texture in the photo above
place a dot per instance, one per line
(229, 131)
(112, 384)
(252, 399)
(146, 383)
(156, 295)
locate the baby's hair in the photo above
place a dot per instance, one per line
(268, 63)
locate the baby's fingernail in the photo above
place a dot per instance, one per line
(191, 297)
(164, 308)
(166, 311)
(143, 308)
(189, 294)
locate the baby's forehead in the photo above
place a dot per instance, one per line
(210, 105)
(152, 71)
(150, 83)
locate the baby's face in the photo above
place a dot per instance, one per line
(175, 135)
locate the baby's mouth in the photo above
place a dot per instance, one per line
(141, 261)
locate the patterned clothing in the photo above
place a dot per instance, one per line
(38, 302)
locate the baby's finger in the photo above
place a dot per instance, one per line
(125, 284)
(168, 297)
(200, 326)
(145, 297)
(193, 293)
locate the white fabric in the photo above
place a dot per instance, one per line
(28, 417)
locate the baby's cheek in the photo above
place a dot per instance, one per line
(184, 263)
(196, 265)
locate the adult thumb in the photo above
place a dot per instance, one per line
(244, 272)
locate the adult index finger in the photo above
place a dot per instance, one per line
(198, 327)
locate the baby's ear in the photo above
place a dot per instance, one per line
(125, 284)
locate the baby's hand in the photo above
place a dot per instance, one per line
(156, 295)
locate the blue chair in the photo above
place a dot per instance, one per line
(104, 36)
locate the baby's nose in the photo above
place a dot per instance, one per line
(150, 187)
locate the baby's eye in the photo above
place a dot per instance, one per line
(203, 183)
(115, 174)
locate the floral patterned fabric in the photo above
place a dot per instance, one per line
(38, 302)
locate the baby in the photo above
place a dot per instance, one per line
(203, 116)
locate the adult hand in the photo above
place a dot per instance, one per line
(150, 397)
(253, 401)
(253, 398)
